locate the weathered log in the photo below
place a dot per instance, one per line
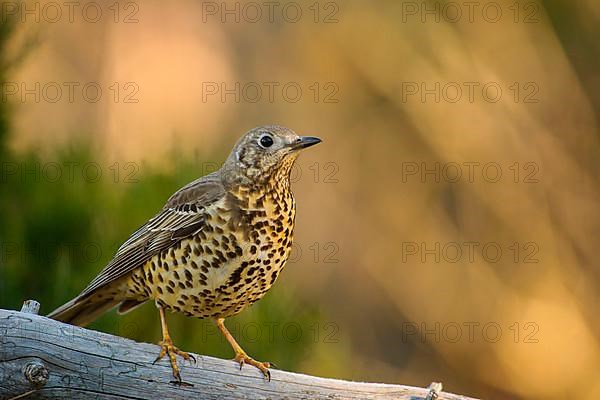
(44, 359)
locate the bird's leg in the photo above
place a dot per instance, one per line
(167, 347)
(240, 355)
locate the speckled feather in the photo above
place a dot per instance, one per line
(231, 262)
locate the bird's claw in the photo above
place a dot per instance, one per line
(243, 358)
(168, 348)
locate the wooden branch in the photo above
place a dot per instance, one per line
(44, 359)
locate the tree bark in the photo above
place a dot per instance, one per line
(45, 359)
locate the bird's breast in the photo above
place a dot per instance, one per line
(231, 262)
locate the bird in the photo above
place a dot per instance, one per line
(216, 247)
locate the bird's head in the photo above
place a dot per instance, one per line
(265, 153)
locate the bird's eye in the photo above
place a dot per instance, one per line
(266, 141)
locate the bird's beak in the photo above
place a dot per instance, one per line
(305, 141)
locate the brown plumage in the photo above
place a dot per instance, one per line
(216, 247)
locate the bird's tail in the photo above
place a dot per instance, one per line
(82, 311)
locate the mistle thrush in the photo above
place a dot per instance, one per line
(216, 247)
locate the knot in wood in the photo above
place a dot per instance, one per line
(36, 373)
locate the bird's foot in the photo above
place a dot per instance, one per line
(243, 358)
(167, 347)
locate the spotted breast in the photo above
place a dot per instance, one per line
(231, 263)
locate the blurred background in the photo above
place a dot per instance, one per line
(447, 226)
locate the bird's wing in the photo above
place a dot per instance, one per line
(181, 217)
